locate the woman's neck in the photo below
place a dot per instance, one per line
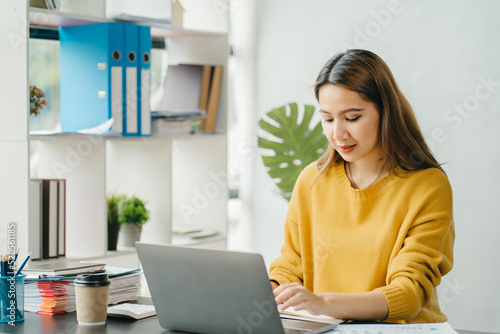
(363, 174)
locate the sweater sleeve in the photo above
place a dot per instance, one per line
(427, 249)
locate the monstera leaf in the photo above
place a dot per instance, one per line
(296, 145)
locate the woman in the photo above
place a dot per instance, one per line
(369, 231)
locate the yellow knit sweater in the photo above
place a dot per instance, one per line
(395, 237)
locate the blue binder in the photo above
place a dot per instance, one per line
(131, 125)
(144, 80)
(91, 62)
(117, 61)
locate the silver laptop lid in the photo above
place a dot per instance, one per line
(209, 291)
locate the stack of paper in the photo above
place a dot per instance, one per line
(56, 294)
(124, 287)
(434, 328)
(290, 313)
(49, 297)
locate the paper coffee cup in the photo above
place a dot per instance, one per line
(92, 291)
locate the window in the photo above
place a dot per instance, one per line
(44, 73)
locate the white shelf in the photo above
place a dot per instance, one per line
(186, 241)
(79, 136)
(169, 171)
(172, 32)
(49, 18)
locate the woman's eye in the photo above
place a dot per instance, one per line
(328, 120)
(352, 119)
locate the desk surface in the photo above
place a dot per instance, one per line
(66, 323)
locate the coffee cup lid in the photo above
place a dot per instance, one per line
(99, 279)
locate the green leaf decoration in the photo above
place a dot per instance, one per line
(295, 147)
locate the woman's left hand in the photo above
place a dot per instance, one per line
(299, 297)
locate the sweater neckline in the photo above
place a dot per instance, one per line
(377, 188)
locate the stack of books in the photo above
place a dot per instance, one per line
(49, 286)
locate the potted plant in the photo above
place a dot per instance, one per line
(37, 100)
(133, 214)
(114, 202)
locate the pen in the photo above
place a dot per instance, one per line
(24, 263)
(15, 256)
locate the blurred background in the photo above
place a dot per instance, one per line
(444, 56)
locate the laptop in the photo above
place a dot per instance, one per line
(215, 292)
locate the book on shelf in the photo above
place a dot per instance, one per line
(145, 11)
(212, 103)
(50, 218)
(45, 4)
(189, 87)
(61, 226)
(35, 219)
(206, 77)
(52, 4)
(182, 86)
(47, 219)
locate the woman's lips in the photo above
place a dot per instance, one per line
(346, 148)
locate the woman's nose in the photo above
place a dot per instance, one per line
(339, 132)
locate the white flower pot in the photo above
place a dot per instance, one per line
(129, 234)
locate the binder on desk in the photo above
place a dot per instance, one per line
(144, 80)
(131, 125)
(91, 62)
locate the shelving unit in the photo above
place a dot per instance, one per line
(171, 174)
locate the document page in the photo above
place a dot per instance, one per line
(434, 328)
(290, 313)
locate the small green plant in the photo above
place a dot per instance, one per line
(37, 100)
(133, 210)
(114, 202)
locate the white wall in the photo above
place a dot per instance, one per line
(14, 145)
(441, 53)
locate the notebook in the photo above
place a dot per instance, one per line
(62, 268)
(215, 291)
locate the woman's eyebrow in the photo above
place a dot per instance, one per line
(342, 112)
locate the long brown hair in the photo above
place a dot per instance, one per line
(400, 136)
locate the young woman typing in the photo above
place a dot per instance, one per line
(369, 231)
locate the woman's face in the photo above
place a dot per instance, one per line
(350, 123)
